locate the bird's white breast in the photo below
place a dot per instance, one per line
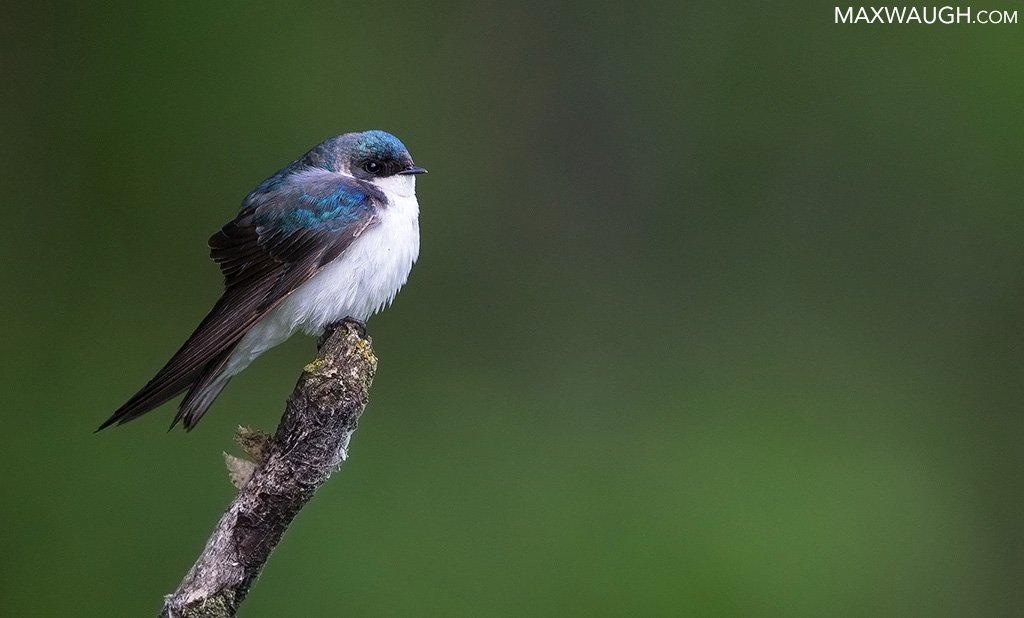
(360, 282)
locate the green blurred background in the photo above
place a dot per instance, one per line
(718, 312)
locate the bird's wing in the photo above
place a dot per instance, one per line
(281, 237)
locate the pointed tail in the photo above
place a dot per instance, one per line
(204, 390)
(203, 385)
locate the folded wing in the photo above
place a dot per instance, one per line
(282, 236)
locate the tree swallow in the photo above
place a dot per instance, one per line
(332, 235)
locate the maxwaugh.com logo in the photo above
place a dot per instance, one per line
(921, 15)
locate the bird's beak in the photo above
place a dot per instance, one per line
(412, 169)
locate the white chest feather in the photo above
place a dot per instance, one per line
(362, 281)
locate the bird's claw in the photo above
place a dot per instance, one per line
(357, 324)
(350, 322)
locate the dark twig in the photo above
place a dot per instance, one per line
(310, 443)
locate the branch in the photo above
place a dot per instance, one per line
(311, 442)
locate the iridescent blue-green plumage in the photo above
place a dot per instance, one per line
(331, 211)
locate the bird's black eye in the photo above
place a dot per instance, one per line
(372, 167)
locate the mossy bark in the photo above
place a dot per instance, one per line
(311, 442)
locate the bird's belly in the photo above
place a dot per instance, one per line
(365, 278)
(360, 282)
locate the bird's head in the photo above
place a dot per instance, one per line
(377, 157)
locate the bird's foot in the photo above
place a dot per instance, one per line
(350, 322)
(358, 324)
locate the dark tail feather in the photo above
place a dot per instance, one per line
(148, 399)
(204, 390)
(200, 394)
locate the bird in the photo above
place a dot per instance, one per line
(332, 235)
